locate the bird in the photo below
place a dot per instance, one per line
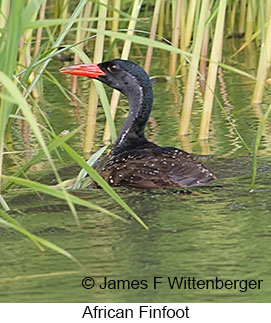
(135, 161)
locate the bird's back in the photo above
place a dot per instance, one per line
(155, 167)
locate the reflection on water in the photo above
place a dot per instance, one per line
(221, 230)
(217, 231)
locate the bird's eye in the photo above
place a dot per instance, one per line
(112, 68)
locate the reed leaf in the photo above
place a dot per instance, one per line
(9, 40)
(102, 95)
(19, 99)
(61, 195)
(83, 173)
(54, 144)
(31, 9)
(101, 182)
(62, 35)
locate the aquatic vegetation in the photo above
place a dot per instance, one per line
(189, 34)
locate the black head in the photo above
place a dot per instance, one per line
(123, 75)
(119, 74)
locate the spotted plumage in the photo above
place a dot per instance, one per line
(134, 161)
(155, 167)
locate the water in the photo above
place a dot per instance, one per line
(222, 230)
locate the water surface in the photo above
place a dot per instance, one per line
(222, 230)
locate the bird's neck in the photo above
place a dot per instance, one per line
(140, 99)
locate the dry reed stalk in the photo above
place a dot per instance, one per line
(249, 20)
(85, 23)
(183, 62)
(93, 12)
(233, 16)
(186, 143)
(212, 71)
(203, 60)
(39, 31)
(64, 10)
(182, 29)
(93, 95)
(268, 36)
(172, 10)
(115, 25)
(267, 10)
(204, 147)
(267, 7)
(167, 13)
(80, 35)
(193, 72)
(25, 52)
(175, 39)
(76, 57)
(161, 20)
(189, 22)
(125, 54)
(242, 16)
(152, 35)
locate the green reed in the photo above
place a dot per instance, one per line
(22, 20)
(29, 42)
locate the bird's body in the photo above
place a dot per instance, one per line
(134, 161)
(154, 167)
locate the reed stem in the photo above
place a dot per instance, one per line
(268, 37)
(249, 20)
(204, 54)
(80, 46)
(212, 71)
(115, 25)
(242, 16)
(5, 5)
(39, 31)
(9, 51)
(93, 95)
(233, 16)
(190, 22)
(193, 71)
(152, 35)
(80, 35)
(125, 54)
(175, 39)
(257, 145)
(161, 20)
(182, 29)
(262, 66)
